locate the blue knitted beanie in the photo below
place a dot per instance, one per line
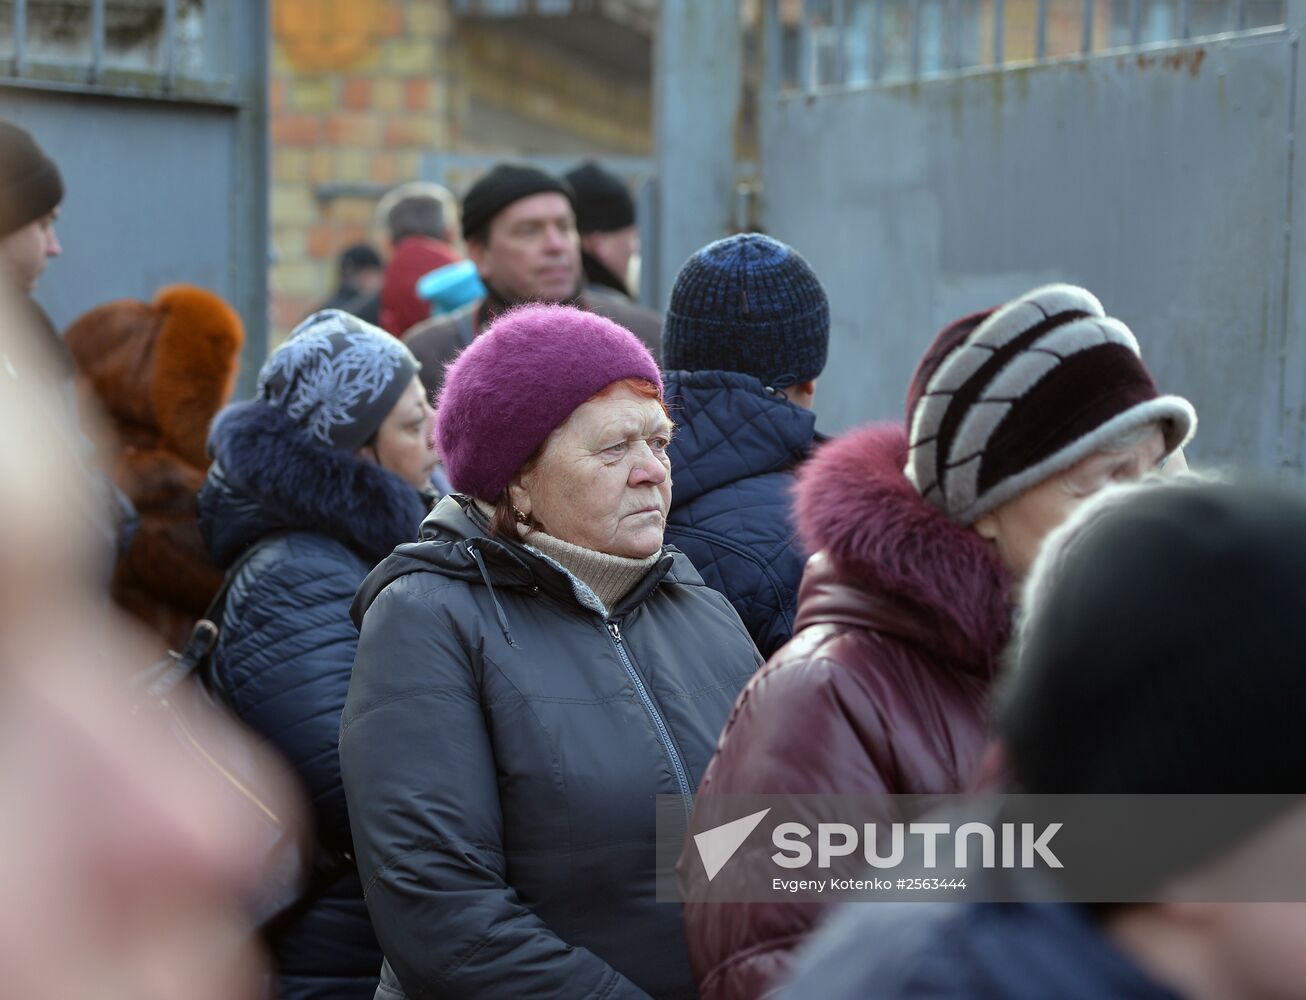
(748, 304)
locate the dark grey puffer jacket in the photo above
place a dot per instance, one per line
(502, 748)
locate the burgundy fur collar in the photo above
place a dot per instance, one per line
(855, 505)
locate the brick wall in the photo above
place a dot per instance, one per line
(359, 90)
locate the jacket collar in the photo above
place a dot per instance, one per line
(729, 427)
(496, 303)
(269, 476)
(887, 560)
(598, 273)
(454, 541)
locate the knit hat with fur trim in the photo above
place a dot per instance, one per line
(518, 381)
(1006, 399)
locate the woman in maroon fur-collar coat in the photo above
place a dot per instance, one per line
(1014, 416)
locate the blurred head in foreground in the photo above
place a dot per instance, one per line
(1159, 664)
(122, 868)
(1161, 653)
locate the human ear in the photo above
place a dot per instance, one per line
(520, 495)
(476, 250)
(803, 394)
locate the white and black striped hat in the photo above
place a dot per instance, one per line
(1006, 399)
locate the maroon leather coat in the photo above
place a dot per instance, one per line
(883, 688)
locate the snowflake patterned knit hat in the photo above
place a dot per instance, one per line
(1006, 399)
(337, 377)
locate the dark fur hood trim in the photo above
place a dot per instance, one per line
(268, 475)
(855, 504)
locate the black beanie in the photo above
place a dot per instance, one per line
(496, 190)
(603, 202)
(1167, 655)
(748, 304)
(30, 185)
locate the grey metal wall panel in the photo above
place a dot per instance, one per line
(696, 100)
(1159, 181)
(247, 197)
(1292, 368)
(148, 196)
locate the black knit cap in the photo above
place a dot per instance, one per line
(504, 184)
(603, 202)
(1167, 654)
(30, 185)
(748, 304)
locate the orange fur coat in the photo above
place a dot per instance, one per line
(160, 371)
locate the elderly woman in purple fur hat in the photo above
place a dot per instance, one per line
(531, 675)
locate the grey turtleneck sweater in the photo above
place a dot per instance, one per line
(607, 577)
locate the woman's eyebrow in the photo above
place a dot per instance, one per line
(622, 427)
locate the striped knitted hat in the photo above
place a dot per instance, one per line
(1006, 399)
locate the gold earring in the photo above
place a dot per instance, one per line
(521, 518)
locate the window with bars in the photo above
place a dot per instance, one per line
(158, 48)
(858, 42)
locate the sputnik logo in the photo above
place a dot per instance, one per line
(719, 844)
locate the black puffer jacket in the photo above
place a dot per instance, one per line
(734, 455)
(502, 749)
(322, 520)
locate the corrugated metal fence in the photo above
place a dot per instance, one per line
(958, 158)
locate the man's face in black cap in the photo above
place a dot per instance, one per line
(531, 250)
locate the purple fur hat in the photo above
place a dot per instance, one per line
(522, 379)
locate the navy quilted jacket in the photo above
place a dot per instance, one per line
(287, 644)
(732, 463)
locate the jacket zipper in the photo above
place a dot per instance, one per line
(682, 777)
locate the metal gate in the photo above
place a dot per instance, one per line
(1160, 174)
(155, 111)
